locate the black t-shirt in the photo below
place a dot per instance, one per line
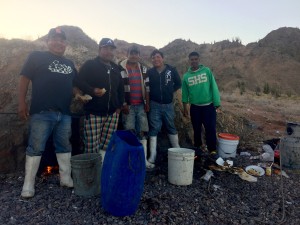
(52, 78)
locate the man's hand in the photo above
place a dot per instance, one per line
(83, 98)
(147, 108)
(185, 112)
(23, 111)
(125, 109)
(99, 92)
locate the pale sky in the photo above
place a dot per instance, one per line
(150, 22)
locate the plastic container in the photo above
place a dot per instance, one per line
(86, 173)
(207, 175)
(123, 174)
(227, 145)
(293, 129)
(290, 152)
(268, 171)
(180, 166)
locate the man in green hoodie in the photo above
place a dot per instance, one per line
(200, 90)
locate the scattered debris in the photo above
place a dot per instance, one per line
(245, 176)
(228, 167)
(281, 172)
(207, 175)
(221, 162)
(245, 154)
(255, 170)
(216, 187)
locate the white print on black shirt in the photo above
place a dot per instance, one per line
(55, 67)
(144, 69)
(167, 77)
(197, 79)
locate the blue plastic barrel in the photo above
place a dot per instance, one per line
(123, 174)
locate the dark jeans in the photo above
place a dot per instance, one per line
(205, 115)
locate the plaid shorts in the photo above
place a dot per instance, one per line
(98, 131)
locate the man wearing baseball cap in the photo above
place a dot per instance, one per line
(107, 42)
(51, 75)
(101, 78)
(57, 32)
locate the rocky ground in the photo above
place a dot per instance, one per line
(225, 199)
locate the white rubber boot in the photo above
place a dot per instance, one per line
(174, 140)
(64, 163)
(31, 167)
(102, 153)
(153, 144)
(148, 165)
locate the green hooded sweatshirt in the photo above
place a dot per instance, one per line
(200, 88)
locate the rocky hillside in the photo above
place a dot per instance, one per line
(273, 61)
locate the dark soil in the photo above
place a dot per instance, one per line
(225, 199)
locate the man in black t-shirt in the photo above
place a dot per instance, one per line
(51, 75)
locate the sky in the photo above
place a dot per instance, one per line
(150, 22)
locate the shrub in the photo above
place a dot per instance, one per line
(241, 86)
(257, 91)
(266, 88)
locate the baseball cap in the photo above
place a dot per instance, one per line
(57, 32)
(107, 42)
(133, 48)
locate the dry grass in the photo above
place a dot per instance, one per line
(253, 118)
(286, 106)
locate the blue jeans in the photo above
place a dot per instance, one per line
(136, 119)
(161, 113)
(41, 127)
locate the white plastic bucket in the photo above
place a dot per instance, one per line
(180, 166)
(227, 145)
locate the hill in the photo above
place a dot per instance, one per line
(274, 62)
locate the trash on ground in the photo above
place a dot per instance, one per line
(255, 157)
(263, 164)
(221, 162)
(268, 170)
(245, 154)
(216, 187)
(255, 170)
(245, 176)
(267, 155)
(234, 170)
(281, 172)
(208, 175)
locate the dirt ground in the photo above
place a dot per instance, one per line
(266, 114)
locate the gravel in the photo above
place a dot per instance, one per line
(225, 199)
